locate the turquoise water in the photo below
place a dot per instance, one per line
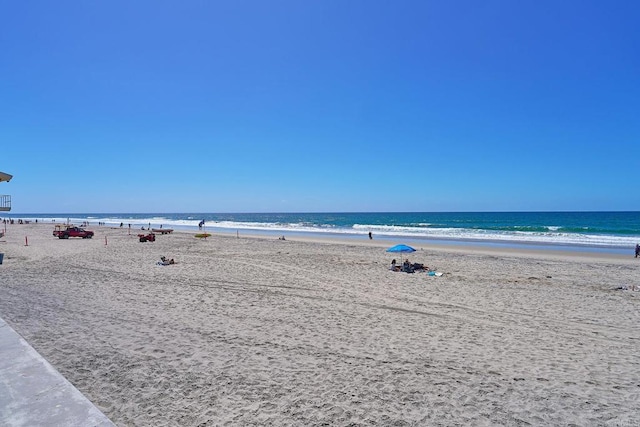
(613, 231)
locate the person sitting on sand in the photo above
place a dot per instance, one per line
(406, 267)
(165, 261)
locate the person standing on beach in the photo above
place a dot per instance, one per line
(370, 236)
(637, 250)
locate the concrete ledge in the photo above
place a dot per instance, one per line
(33, 393)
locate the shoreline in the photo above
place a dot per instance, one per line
(270, 226)
(444, 245)
(441, 245)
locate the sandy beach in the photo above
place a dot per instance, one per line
(246, 330)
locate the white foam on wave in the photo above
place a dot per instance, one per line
(553, 238)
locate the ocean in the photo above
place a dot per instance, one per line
(616, 232)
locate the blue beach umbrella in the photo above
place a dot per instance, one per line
(402, 249)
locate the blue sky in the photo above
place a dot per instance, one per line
(316, 106)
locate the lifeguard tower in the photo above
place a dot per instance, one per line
(5, 201)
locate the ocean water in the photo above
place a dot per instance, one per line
(584, 231)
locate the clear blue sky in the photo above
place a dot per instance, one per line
(320, 105)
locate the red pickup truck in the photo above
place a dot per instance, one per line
(66, 232)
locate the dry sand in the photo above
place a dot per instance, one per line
(258, 331)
